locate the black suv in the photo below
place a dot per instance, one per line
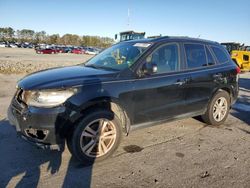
(131, 84)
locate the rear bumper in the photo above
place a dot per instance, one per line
(38, 126)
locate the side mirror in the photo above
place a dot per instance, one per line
(115, 36)
(154, 68)
(148, 69)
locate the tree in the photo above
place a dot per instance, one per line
(7, 33)
(54, 39)
(40, 37)
(69, 39)
(27, 34)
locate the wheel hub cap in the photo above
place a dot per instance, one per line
(220, 109)
(98, 138)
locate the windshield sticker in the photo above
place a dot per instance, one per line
(142, 45)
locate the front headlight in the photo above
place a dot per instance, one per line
(47, 98)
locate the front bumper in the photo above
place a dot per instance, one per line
(40, 126)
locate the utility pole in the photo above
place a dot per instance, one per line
(128, 24)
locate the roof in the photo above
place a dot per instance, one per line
(230, 43)
(133, 32)
(173, 38)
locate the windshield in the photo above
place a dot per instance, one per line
(118, 57)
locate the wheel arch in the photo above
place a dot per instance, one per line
(108, 103)
(227, 89)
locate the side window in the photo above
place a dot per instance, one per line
(210, 59)
(196, 56)
(220, 55)
(165, 57)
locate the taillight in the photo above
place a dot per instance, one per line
(238, 70)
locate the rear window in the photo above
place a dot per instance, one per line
(196, 55)
(220, 55)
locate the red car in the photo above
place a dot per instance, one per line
(46, 51)
(59, 50)
(78, 51)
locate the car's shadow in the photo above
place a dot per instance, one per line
(241, 109)
(244, 83)
(242, 115)
(21, 163)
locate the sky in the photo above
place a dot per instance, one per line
(217, 20)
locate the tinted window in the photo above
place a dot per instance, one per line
(196, 56)
(220, 55)
(165, 57)
(210, 58)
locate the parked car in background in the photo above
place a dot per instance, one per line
(67, 49)
(58, 49)
(78, 51)
(91, 51)
(13, 45)
(3, 45)
(46, 51)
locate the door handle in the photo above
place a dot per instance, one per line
(187, 80)
(179, 82)
(184, 81)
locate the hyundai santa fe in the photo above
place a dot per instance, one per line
(132, 84)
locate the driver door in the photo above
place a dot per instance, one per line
(160, 95)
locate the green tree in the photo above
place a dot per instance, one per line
(40, 37)
(27, 34)
(54, 39)
(7, 33)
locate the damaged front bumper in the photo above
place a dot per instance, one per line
(39, 126)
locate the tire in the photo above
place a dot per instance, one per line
(86, 147)
(69, 143)
(218, 109)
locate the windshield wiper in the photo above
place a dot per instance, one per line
(101, 67)
(92, 66)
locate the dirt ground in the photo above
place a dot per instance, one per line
(20, 60)
(184, 153)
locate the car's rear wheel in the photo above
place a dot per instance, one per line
(218, 109)
(96, 137)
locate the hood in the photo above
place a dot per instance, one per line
(65, 77)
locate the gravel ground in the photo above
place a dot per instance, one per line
(18, 60)
(184, 153)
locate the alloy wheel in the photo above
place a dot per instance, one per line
(220, 109)
(98, 138)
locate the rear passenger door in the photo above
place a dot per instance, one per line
(199, 84)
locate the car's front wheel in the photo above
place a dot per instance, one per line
(218, 109)
(96, 137)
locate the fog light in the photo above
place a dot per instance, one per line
(38, 134)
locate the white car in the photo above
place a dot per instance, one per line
(2, 45)
(13, 46)
(91, 51)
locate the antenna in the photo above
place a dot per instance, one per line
(128, 24)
